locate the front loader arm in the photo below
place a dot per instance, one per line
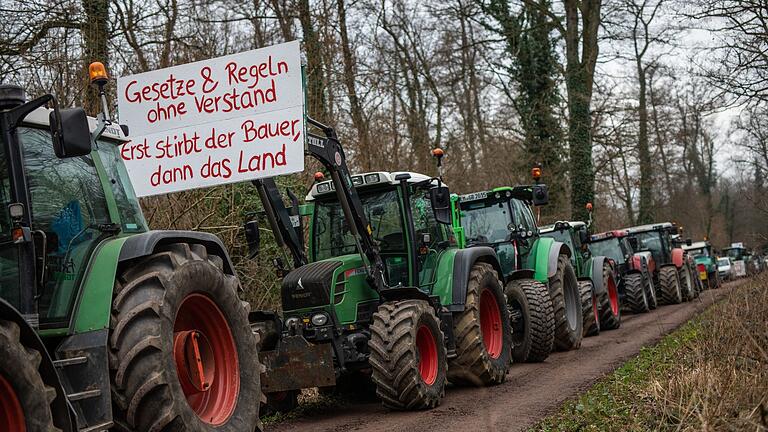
(280, 220)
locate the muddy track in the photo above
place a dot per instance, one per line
(531, 391)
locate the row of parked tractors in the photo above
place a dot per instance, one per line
(394, 283)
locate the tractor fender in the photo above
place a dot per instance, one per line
(555, 250)
(144, 244)
(521, 274)
(63, 413)
(678, 258)
(596, 273)
(462, 266)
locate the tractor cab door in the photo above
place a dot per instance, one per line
(429, 235)
(525, 231)
(68, 210)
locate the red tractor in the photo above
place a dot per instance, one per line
(673, 275)
(634, 270)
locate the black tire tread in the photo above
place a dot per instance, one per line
(608, 320)
(590, 326)
(634, 293)
(670, 290)
(541, 320)
(565, 338)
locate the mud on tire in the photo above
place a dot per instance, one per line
(566, 304)
(589, 309)
(610, 308)
(403, 378)
(634, 293)
(19, 372)
(483, 332)
(533, 329)
(670, 292)
(147, 389)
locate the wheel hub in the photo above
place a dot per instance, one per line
(490, 324)
(206, 359)
(425, 344)
(11, 414)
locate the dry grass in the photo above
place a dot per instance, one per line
(709, 375)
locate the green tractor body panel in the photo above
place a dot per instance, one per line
(538, 260)
(441, 283)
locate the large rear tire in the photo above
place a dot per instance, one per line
(483, 332)
(589, 309)
(610, 307)
(408, 355)
(670, 286)
(635, 294)
(183, 356)
(687, 284)
(25, 400)
(533, 323)
(566, 304)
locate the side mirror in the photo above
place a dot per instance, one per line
(253, 238)
(70, 131)
(583, 236)
(540, 195)
(440, 198)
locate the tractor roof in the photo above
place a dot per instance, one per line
(39, 117)
(649, 227)
(607, 235)
(696, 245)
(564, 224)
(521, 192)
(366, 180)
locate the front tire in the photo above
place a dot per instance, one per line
(408, 355)
(589, 309)
(25, 400)
(670, 286)
(566, 304)
(183, 356)
(533, 326)
(635, 294)
(483, 332)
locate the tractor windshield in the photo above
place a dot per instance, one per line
(610, 247)
(486, 222)
(699, 252)
(735, 254)
(654, 242)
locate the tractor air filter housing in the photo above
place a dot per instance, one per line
(11, 96)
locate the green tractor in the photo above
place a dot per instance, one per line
(104, 323)
(706, 263)
(384, 293)
(599, 292)
(502, 218)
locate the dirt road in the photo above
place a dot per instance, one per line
(531, 391)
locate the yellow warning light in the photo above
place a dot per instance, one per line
(98, 73)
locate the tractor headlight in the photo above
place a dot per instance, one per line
(319, 319)
(292, 322)
(323, 187)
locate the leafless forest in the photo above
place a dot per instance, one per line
(651, 109)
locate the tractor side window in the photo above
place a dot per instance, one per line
(131, 217)
(68, 207)
(9, 252)
(520, 216)
(424, 223)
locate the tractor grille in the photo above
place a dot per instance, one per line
(308, 286)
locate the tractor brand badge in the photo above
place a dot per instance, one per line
(300, 285)
(316, 141)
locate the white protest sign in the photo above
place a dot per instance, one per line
(224, 120)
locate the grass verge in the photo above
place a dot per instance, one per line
(711, 374)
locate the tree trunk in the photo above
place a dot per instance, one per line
(316, 103)
(645, 210)
(95, 32)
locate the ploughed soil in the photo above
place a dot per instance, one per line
(531, 391)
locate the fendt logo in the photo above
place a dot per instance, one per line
(301, 286)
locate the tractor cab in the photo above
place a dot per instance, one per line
(58, 204)
(501, 218)
(656, 239)
(575, 235)
(613, 244)
(402, 223)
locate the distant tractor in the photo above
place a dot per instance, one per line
(706, 264)
(673, 275)
(502, 218)
(384, 293)
(737, 253)
(634, 270)
(104, 323)
(599, 295)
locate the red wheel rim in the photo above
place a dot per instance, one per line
(425, 343)
(11, 414)
(206, 359)
(613, 296)
(490, 323)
